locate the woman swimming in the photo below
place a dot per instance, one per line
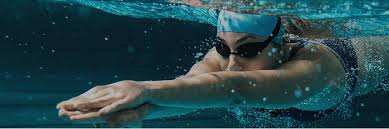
(251, 65)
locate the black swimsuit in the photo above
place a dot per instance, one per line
(345, 52)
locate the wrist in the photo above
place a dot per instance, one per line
(155, 90)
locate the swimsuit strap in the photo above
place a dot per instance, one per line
(295, 49)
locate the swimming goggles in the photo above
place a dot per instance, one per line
(248, 50)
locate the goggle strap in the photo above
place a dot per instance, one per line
(275, 31)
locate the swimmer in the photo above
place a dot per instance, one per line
(256, 63)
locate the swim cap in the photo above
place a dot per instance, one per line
(260, 25)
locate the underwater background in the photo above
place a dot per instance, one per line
(51, 51)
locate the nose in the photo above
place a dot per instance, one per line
(233, 64)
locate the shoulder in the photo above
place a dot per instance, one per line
(315, 51)
(323, 69)
(317, 59)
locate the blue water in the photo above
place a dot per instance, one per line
(350, 17)
(54, 50)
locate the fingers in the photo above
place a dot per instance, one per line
(98, 102)
(90, 105)
(82, 117)
(67, 104)
(103, 101)
(59, 105)
(73, 104)
(84, 101)
(85, 116)
(64, 113)
(121, 104)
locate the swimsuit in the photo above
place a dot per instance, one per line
(345, 52)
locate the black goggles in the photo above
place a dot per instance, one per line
(249, 49)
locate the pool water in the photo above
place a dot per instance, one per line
(54, 50)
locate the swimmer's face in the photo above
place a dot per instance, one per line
(265, 60)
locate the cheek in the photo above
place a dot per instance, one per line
(254, 64)
(261, 62)
(223, 62)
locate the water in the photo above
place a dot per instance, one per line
(349, 18)
(53, 50)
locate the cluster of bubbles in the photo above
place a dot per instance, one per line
(26, 46)
(251, 117)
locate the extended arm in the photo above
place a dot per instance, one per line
(307, 74)
(281, 88)
(208, 64)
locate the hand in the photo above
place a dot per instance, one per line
(133, 117)
(108, 99)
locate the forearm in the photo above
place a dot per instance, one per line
(265, 89)
(205, 90)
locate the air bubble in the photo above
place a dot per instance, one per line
(307, 89)
(274, 50)
(264, 99)
(298, 93)
(198, 55)
(232, 91)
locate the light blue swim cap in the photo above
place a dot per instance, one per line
(260, 25)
